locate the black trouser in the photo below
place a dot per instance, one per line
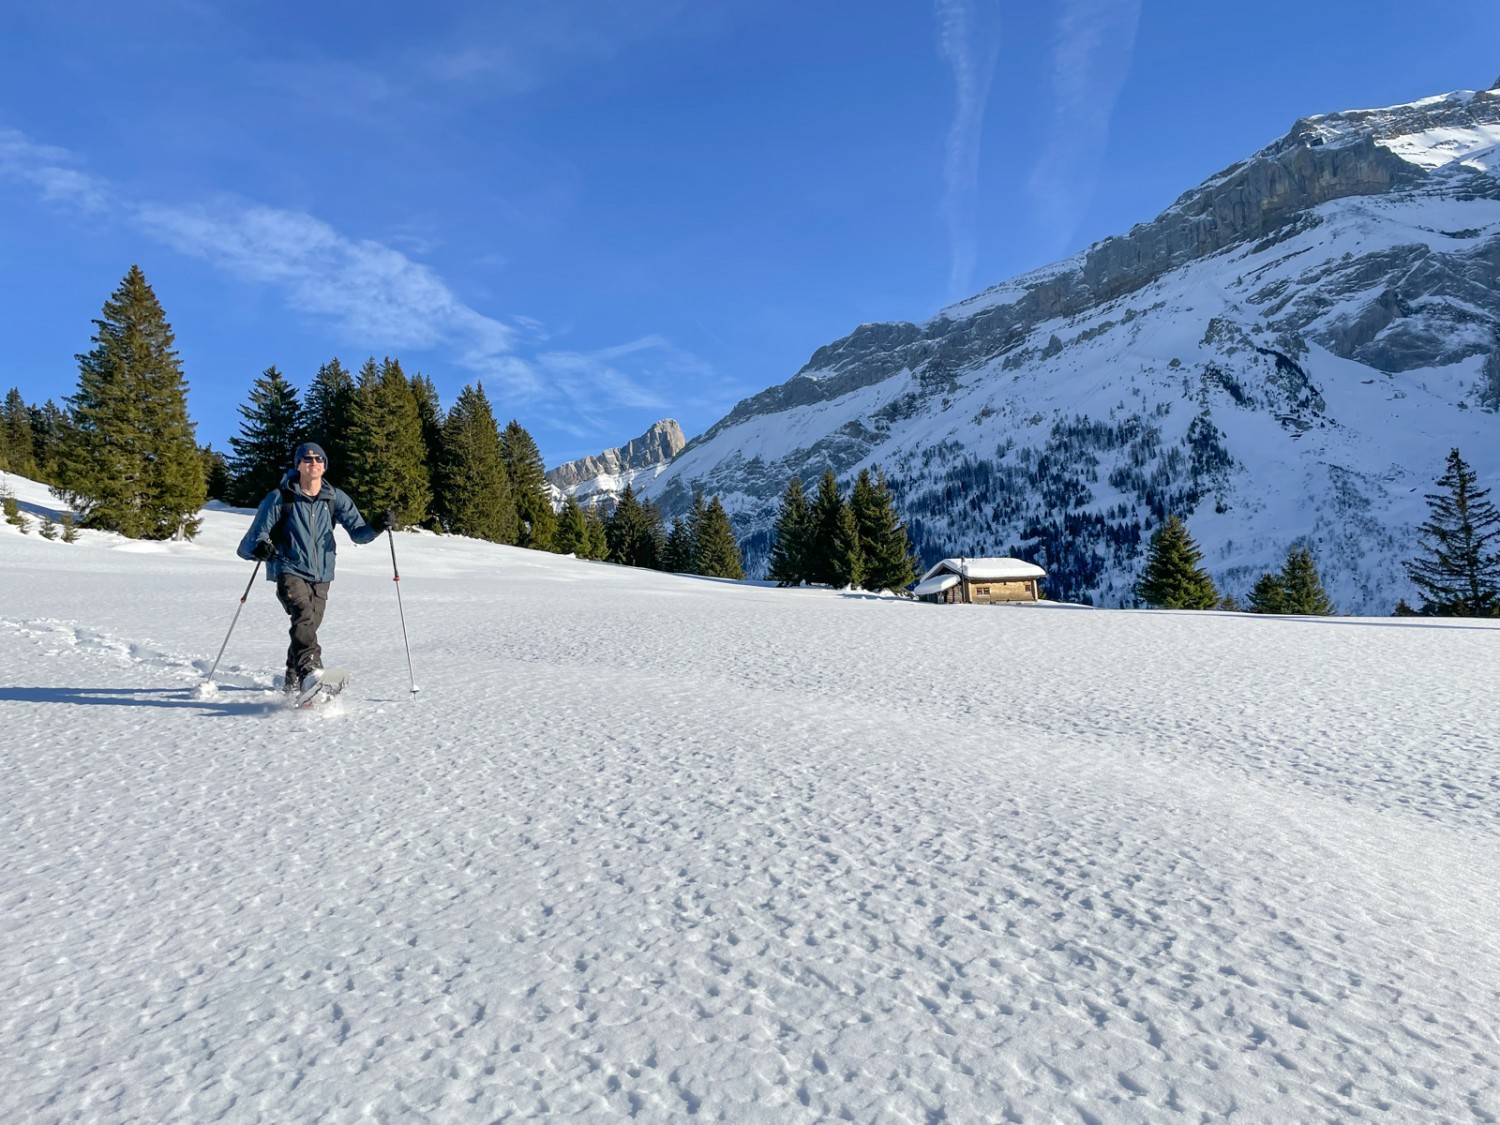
(304, 602)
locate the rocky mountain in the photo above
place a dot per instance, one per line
(1285, 355)
(607, 474)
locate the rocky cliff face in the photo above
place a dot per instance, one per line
(611, 470)
(1284, 354)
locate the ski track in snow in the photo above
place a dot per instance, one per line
(664, 848)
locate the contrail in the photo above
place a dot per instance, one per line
(969, 41)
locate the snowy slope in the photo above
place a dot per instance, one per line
(668, 847)
(1297, 378)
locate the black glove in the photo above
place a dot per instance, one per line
(263, 550)
(388, 521)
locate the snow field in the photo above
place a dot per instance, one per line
(676, 848)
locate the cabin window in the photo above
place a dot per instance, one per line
(981, 591)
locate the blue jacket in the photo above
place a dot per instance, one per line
(305, 547)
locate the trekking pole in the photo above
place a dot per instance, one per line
(397, 579)
(233, 623)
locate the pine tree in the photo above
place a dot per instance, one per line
(1268, 595)
(846, 559)
(596, 539)
(329, 400)
(16, 438)
(889, 563)
(49, 428)
(1458, 571)
(793, 527)
(1172, 578)
(572, 529)
(633, 531)
(830, 543)
(386, 468)
(269, 434)
(718, 552)
(528, 484)
(473, 492)
(130, 462)
(216, 472)
(680, 556)
(430, 411)
(1302, 589)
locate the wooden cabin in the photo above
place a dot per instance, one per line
(981, 582)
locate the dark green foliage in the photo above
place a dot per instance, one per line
(48, 528)
(572, 533)
(328, 402)
(1172, 578)
(634, 532)
(12, 511)
(386, 467)
(889, 563)
(680, 556)
(430, 411)
(129, 461)
(1404, 609)
(49, 427)
(17, 441)
(833, 553)
(596, 539)
(216, 472)
(1268, 595)
(718, 555)
(269, 434)
(1458, 570)
(1302, 589)
(793, 530)
(473, 491)
(528, 485)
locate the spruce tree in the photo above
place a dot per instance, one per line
(1172, 578)
(216, 472)
(386, 468)
(130, 462)
(1302, 589)
(596, 539)
(328, 401)
(846, 559)
(718, 551)
(572, 533)
(473, 490)
(1268, 595)
(17, 440)
(822, 564)
(269, 433)
(430, 411)
(680, 555)
(528, 485)
(633, 532)
(49, 428)
(889, 562)
(1458, 571)
(788, 565)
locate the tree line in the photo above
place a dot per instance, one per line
(1457, 568)
(859, 542)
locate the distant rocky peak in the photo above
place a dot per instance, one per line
(655, 447)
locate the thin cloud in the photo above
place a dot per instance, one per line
(643, 374)
(1090, 62)
(51, 171)
(969, 41)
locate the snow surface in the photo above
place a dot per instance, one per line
(681, 848)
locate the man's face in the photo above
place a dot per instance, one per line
(311, 468)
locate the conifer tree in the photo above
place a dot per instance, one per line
(633, 532)
(216, 472)
(1268, 595)
(269, 434)
(528, 485)
(328, 401)
(572, 533)
(596, 540)
(681, 553)
(1458, 571)
(49, 427)
(828, 560)
(1302, 589)
(473, 491)
(788, 565)
(718, 551)
(17, 440)
(386, 469)
(1172, 578)
(846, 559)
(130, 462)
(889, 562)
(430, 411)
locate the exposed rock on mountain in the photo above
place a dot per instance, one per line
(1286, 354)
(609, 472)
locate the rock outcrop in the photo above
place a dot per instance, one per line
(652, 449)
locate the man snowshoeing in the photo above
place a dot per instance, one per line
(293, 533)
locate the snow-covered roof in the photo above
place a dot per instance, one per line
(935, 585)
(992, 570)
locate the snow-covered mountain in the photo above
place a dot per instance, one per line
(1287, 353)
(606, 475)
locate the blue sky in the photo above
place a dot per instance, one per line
(612, 212)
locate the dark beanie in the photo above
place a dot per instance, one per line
(304, 449)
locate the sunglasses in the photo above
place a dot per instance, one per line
(314, 458)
